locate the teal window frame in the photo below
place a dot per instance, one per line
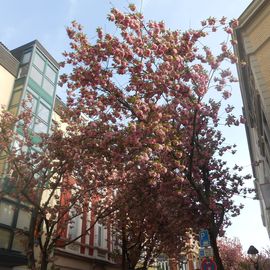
(38, 102)
(43, 72)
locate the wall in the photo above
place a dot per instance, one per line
(254, 48)
(6, 86)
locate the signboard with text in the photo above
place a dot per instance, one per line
(201, 253)
(204, 238)
(208, 252)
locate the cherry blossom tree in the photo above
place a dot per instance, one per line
(148, 88)
(142, 136)
(147, 224)
(231, 253)
(45, 179)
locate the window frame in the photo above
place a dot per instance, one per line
(45, 76)
(75, 224)
(100, 235)
(39, 101)
(13, 227)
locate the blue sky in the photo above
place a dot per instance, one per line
(24, 21)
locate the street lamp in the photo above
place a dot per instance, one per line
(254, 256)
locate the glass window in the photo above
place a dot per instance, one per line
(24, 218)
(75, 226)
(50, 73)
(18, 148)
(6, 213)
(31, 101)
(17, 144)
(36, 76)
(26, 57)
(48, 87)
(23, 71)
(43, 112)
(16, 98)
(4, 238)
(39, 62)
(100, 234)
(20, 243)
(40, 127)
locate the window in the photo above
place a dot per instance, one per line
(100, 235)
(6, 213)
(43, 74)
(23, 71)
(17, 146)
(20, 243)
(36, 76)
(39, 62)
(31, 101)
(13, 216)
(26, 57)
(24, 218)
(4, 238)
(75, 225)
(41, 112)
(40, 127)
(48, 87)
(50, 73)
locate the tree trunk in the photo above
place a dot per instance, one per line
(31, 240)
(213, 239)
(124, 248)
(44, 261)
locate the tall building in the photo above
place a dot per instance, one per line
(253, 48)
(30, 70)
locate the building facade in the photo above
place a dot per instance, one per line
(253, 48)
(27, 71)
(30, 71)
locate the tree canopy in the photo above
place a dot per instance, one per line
(143, 113)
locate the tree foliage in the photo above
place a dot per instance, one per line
(231, 253)
(142, 135)
(147, 89)
(45, 179)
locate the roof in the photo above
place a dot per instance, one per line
(8, 61)
(17, 52)
(253, 8)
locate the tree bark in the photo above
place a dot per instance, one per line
(44, 261)
(31, 240)
(124, 248)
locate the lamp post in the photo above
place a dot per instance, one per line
(254, 256)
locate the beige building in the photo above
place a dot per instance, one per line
(253, 35)
(8, 73)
